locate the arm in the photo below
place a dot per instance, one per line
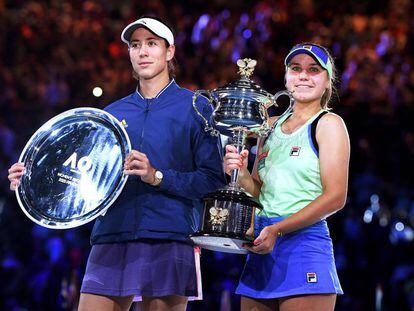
(207, 176)
(252, 183)
(232, 160)
(334, 152)
(197, 168)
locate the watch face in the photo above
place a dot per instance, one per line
(158, 175)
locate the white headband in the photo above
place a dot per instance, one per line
(151, 24)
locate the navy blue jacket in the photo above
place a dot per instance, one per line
(168, 130)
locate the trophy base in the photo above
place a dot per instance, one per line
(228, 220)
(220, 243)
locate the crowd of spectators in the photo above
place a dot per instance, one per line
(53, 53)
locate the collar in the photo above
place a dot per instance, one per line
(165, 91)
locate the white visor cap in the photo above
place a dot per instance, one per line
(155, 26)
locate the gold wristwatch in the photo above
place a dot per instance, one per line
(157, 178)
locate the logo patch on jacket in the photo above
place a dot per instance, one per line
(124, 123)
(294, 152)
(311, 277)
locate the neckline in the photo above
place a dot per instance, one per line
(280, 133)
(159, 93)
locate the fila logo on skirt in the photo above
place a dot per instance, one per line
(294, 152)
(311, 277)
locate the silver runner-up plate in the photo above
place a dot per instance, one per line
(74, 168)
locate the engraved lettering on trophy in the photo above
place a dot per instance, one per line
(71, 160)
(83, 165)
(66, 179)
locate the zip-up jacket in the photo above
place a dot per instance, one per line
(168, 130)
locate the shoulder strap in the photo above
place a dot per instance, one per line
(282, 117)
(313, 126)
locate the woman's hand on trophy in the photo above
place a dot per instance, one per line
(265, 242)
(15, 174)
(137, 163)
(234, 160)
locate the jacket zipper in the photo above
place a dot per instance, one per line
(146, 111)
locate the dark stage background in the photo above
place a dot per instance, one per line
(53, 53)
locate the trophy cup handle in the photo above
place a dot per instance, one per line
(266, 128)
(291, 100)
(286, 93)
(207, 127)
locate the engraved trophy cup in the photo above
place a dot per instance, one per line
(240, 108)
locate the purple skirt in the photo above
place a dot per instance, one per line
(143, 268)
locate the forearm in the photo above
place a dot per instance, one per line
(191, 185)
(249, 184)
(320, 208)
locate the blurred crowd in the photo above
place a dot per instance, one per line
(53, 53)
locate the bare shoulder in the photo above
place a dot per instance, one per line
(331, 127)
(331, 121)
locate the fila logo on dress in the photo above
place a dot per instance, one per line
(294, 152)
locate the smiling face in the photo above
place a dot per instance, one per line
(149, 55)
(307, 79)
